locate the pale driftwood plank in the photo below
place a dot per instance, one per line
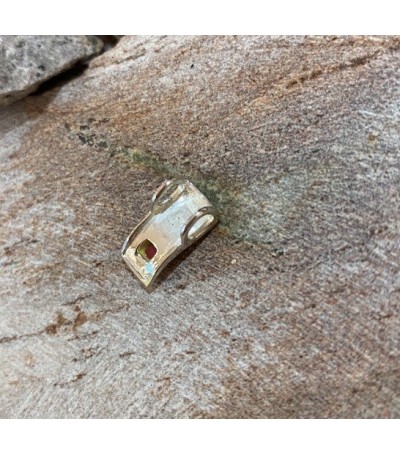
(290, 308)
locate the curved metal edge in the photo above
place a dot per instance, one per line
(160, 189)
(164, 185)
(209, 209)
(128, 240)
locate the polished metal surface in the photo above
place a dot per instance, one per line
(180, 214)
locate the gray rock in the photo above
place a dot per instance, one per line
(27, 61)
(289, 308)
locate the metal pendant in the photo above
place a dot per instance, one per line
(180, 214)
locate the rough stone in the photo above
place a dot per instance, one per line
(28, 61)
(290, 308)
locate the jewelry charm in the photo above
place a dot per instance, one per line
(180, 214)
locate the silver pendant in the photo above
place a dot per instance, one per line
(180, 214)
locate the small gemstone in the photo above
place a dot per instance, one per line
(149, 267)
(150, 251)
(146, 249)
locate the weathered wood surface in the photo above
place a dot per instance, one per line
(290, 308)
